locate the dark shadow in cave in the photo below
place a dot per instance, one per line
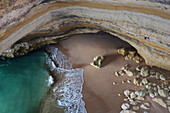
(109, 59)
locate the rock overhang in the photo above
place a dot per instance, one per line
(146, 28)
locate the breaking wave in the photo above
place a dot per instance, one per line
(67, 90)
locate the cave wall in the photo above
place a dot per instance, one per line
(143, 24)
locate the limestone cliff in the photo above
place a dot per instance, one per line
(143, 24)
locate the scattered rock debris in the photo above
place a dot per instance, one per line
(117, 73)
(127, 93)
(130, 54)
(160, 102)
(129, 81)
(127, 111)
(135, 108)
(144, 107)
(125, 106)
(158, 89)
(163, 93)
(119, 94)
(114, 83)
(130, 72)
(123, 82)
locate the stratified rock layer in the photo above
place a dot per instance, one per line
(145, 27)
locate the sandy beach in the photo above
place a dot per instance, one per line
(99, 93)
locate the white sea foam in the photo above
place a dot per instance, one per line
(58, 57)
(51, 64)
(50, 80)
(67, 90)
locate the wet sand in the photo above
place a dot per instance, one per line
(99, 94)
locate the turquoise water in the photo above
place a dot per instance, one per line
(24, 82)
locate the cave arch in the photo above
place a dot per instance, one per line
(48, 24)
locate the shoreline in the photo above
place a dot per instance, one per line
(99, 94)
(65, 92)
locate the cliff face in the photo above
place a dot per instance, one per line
(143, 24)
(13, 10)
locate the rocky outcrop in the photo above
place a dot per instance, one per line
(13, 10)
(143, 24)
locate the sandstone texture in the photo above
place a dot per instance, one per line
(28, 25)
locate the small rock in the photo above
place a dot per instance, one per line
(151, 95)
(123, 82)
(149, 91)
(144, 71)
(157, 75)
(130, 99)
(119, 94)
(163, 93)
(139, 98)
(129, 81)
(125, 99)
(135, 108)
(145, 112)
(132, 95)
(147, 104)
(127, 93)
(122, 51)
(152, 73)
(140, 83)
(155, 93)
(148, 87)
(168, 98)
(125, 67)
(128, 57)
(150, 84)
(159, 87)
(133, 103)
(155, 89)
(163, 85)
(138, 76)
(138, 101)
(154, 84)
(141, 92)
(166, 89)
(136, 81)
(127, 111)
(114, 83)
(121, 72)
(160, 102)
(132, 53)
(168, 102)
(116, 73)
(130, 72)
(162, 77)
(125, 106)
(137, 58)
(138, 68)
(144, 107)
(145, 81)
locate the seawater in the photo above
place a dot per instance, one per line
(24, 82)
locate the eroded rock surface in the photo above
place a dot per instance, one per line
(143, 24)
